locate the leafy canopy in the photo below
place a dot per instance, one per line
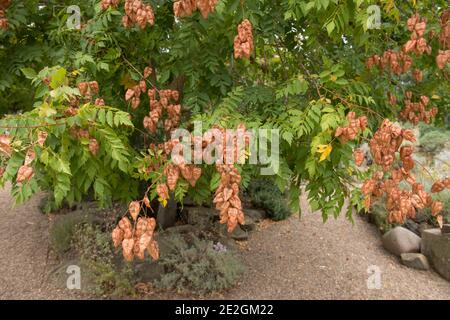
(307, 72)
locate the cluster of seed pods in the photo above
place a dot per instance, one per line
(401, 203)
(185, 8)
(136, 237)
(243, 42)
(135, 244)
(415, 112)
(443, 56)
(444, 36)
(167, 102)
(387, 146)
(137, 13)
(105, 4)
(417, 43)
(397, 62)
(227, 199)
(354, 127)
(133, 94)
(401, 62)
(88, 91)
(439, 186)
(82, 134)
(25, 172)
(4, 4)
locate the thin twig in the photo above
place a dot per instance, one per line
(142, 76)
(312, 80)
(425, 169)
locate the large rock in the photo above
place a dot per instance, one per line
(255, 215)
(436, 246)
(415, 260)
(400, 240)
(249, 225)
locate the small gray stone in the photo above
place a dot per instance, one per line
(256, 215)
(249, 224)
(415, 261)
(239, 234)
(445, 229)
(400, 240)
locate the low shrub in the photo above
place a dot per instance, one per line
(195, 265)
(62, 232)
(109, 277)
(379, 217)
(432, 140)
(443, 196)
(264, 194)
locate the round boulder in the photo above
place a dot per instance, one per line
(400, 240)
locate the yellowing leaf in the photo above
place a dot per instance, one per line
(163, 202)
(350, 170)
(76, 72)
(46, 111)
(127, 82)
(58, 78)
(324, 150)
(389, 5)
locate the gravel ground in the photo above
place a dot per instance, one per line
(27, 267)
(306, 259)
(293, 259)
